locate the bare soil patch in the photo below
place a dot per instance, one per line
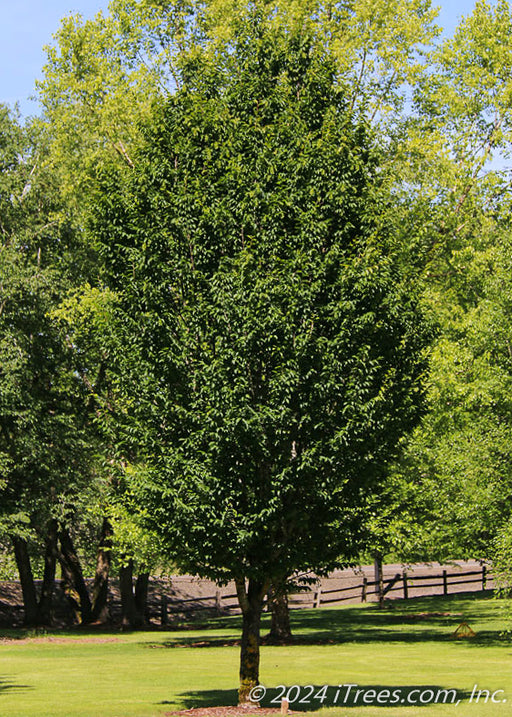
(59, 640)
(227, 711)
(427, 615)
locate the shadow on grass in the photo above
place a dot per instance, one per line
(7, 686)
(309, 698)
(194, 642)
(433, 619)
(205, 699)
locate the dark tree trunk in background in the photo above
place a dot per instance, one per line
(280, 630)
(130, 616)
(69, 590)
(74, 583)
(28, 588)
(141, 595)
(50, 565)
(100, 612)
(251, 603)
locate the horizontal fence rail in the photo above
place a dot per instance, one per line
(315, 598)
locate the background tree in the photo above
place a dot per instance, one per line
(449, 496)
(102, 74)
(451, 489)
(44, 449)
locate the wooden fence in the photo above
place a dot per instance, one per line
(401, 582)
(213, 603)
(220, 604)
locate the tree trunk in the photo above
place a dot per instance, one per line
(100, 612)
(73, 576)
(130, 616)
(141, 596)
(69, 590)
(280, 630)
(251, 602)
(28, 588)
(50, 564)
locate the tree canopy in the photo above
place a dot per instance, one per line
(279, 349)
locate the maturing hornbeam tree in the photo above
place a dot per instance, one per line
(273, 346)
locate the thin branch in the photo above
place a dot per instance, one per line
(120, 148)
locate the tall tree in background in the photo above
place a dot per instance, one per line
(275, 350)
(102, 74)
(449, 497)
(44, 446)
(53, 487)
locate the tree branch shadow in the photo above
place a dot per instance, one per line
(6, 685)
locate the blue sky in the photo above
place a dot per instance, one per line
(27, 25)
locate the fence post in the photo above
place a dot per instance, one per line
(318, 597)
(484, 577)
(377, 572)
(406, 589)
(379, 579)
(163, 610)
(365, 589)
(445, 583)
(218, 602)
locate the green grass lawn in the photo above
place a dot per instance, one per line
(406, 649)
